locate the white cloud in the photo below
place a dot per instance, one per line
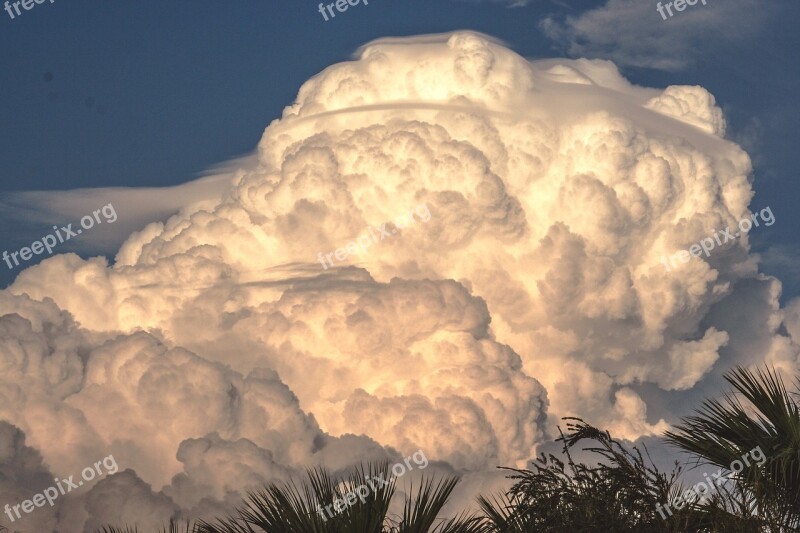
(217, 353)
(42, 209)
(632, 33)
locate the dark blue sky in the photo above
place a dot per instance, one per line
(98, 94)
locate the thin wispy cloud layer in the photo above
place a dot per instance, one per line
(633, 33)
(140, 205)
(217, 353)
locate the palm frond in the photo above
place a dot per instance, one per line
(420, 511)
(174, 526)
(758, 415)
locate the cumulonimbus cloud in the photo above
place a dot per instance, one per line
(217, 353)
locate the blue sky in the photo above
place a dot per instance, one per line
(150, 93)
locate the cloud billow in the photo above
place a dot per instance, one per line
(215, 354)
